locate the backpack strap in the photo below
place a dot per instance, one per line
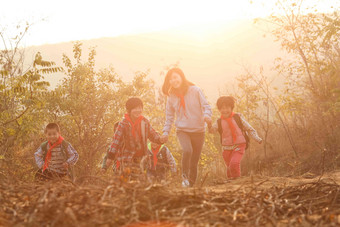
(238, 121)
(219, 128)
(142, 128)
(240, 125)
(44, 148)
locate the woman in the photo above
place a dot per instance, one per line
(188, 105)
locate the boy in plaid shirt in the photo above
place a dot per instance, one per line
(129, 144)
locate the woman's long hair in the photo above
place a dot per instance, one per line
(167, 89)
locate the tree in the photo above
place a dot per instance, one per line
(90, 102)
(310, 94)
(21, 88)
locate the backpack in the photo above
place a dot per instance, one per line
(239, 124)
(64, 146)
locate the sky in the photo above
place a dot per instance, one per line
(58, 21)
(66, 20)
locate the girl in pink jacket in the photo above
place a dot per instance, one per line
(234, 131)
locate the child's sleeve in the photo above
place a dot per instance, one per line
(38, 155)
(117, 140)
(171, 160)
(206, 107)
(251, 131)
(72, 154)
(153, 135)
(104, 166)
(170, 117)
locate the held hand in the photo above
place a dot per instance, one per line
(211, 129)
(208, 120)
(164, 138)
(209, 123)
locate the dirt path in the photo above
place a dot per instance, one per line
(247, 201)
(268, 182)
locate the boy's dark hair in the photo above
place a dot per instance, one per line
(52, 126)
(225, 101)
(132, 103)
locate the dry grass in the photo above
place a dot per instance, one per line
(248, 201)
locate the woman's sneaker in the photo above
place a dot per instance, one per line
(185, 183)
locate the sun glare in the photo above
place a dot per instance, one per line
(64, 21)
(79, 20)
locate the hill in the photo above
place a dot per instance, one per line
(211, 55)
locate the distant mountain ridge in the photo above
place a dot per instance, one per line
(210, 55)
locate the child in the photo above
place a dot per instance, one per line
(55, 156)
(187, 103)
(161, 160)
(132, 131)
(232, 128)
